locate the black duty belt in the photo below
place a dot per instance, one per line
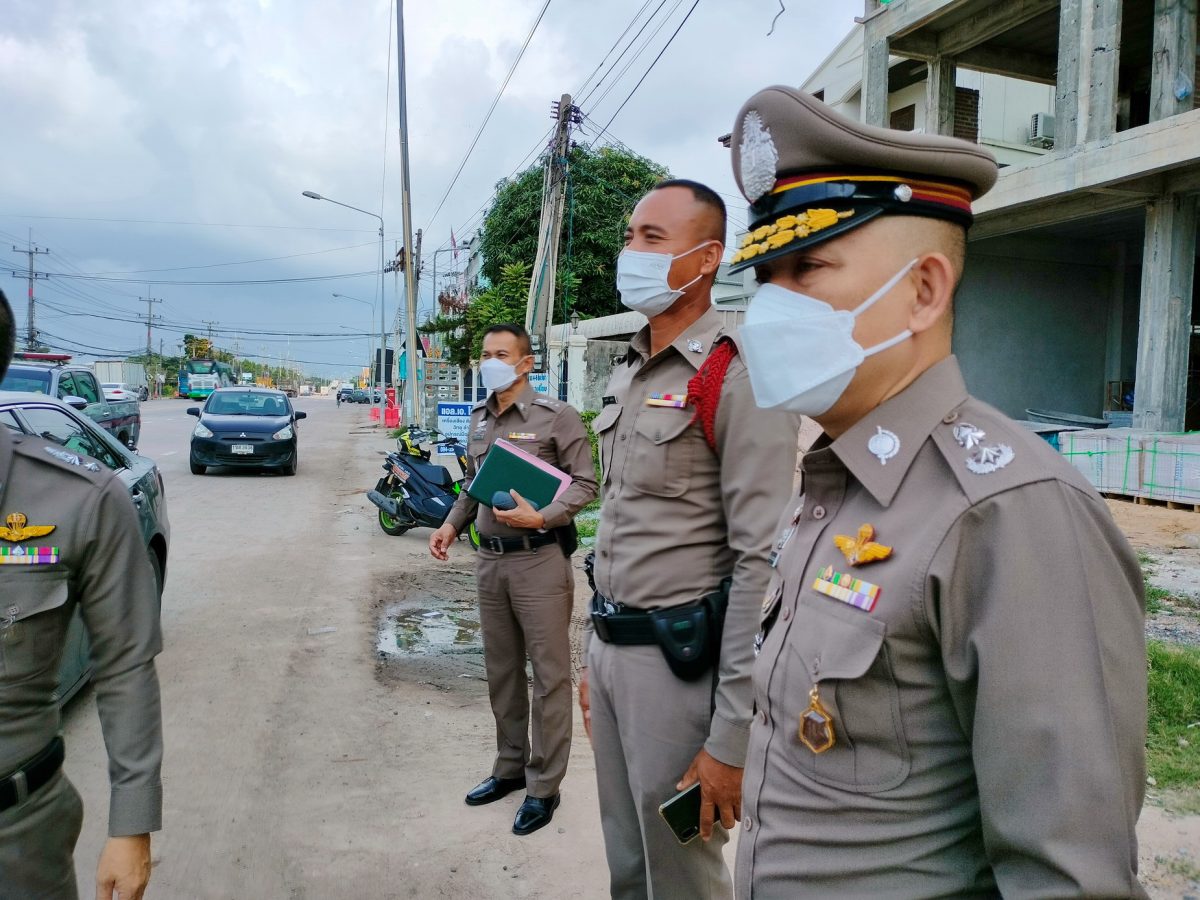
(514, 544)
(626, 626)
(30, 776)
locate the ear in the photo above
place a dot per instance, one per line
(710, 257)
(934, 278)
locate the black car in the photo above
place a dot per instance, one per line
(245, 427)
(358, 395)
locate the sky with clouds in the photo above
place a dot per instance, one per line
(166, 140)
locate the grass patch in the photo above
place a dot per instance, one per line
(1172, 748)
(1155, 596)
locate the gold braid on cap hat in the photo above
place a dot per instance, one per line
(785, 230)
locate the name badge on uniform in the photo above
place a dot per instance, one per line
(671, 401)
(521, 436)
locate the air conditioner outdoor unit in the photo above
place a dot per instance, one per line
(1041, 129)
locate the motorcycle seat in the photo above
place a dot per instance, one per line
(438, 476)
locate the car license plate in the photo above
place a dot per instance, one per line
(243, 449)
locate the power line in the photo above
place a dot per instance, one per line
(247, 281)
(670, 40)
(185, 223)
(579, 93)
(487, 118)
(241, 262)
(616, 62)
(645, 45)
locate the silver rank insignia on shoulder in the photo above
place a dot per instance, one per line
(66, 457)
(695, 346)
(986, 460)
(883, 445)
(968, 436)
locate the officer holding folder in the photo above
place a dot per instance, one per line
(523, 569)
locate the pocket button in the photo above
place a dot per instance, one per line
(818, 512)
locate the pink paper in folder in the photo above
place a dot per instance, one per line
(564, 480)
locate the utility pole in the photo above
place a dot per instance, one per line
(31, 341)
(539, 310)
(150, 317)
(210, 324)
(415, 412)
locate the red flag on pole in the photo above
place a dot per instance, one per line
(454, 245)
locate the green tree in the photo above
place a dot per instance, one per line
(503, 301)
(603, 185)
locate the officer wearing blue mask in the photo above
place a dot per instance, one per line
(951, 679)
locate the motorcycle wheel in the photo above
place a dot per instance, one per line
(394, 526)
(473, 536)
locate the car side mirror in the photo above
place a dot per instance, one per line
(132, 445)
(301, 415)
(75, 402)
(193, 411)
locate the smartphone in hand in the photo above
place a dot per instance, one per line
(682, 814)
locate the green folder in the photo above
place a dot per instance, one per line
(509, 468)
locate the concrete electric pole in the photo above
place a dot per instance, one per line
(31, 341)
(415, 412)
(539, 311)
(150, 317)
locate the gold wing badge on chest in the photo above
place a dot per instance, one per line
(16, 530)
(862, 549)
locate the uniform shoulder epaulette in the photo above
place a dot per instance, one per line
(989, 453)
(479, 404)
(51, 454)
(543, 400)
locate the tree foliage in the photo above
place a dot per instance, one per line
(603, 186)
(503, 301)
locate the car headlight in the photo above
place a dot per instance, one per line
(283, 433)
(200, 431)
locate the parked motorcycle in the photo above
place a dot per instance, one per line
(415, 492)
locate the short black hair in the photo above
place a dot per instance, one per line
(8, 334)
(524, 344)
(705, 196)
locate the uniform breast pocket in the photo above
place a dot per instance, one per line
(33, 621)
(663, 452)
(604, 425)
(477, 448)
(847, 651)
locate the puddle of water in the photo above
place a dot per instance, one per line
(425, 632)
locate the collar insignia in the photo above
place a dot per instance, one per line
(16, 529)
(883, 445)
(695, 346)
(986, 460)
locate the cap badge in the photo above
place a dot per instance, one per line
(16, 529)
(883, 445)
(986, 460)
(862, 549)
(758, 157)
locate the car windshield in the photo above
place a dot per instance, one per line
(31, 380)
(245, 403)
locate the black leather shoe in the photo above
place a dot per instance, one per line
(492, 789)
(535, 813)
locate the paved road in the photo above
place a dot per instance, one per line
(294, 766)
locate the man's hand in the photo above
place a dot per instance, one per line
(124, 868)
(524, 516)
(720, 791)
(585, 703)
(440, 542)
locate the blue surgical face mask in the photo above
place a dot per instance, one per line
(642, 280)
(801, 352)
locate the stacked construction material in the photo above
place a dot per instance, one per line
(1143, 464)
(1171, 467)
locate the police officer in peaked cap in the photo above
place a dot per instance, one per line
(69, 539)
(951, 680)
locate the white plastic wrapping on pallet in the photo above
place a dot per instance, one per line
(1171, 466)
(1110, 458)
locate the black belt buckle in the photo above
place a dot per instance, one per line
(493, 543)
(32, 775)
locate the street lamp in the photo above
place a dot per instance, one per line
(370, 337)
(574, 321)
(313, 195)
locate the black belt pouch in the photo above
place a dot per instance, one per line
(685, 639)
(568, 538)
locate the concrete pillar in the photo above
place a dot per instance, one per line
(1089, 52)
(1174, 51)
(875, 76)
(576, 371)
(939, 96)
(1165, 325)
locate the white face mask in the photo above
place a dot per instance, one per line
(497, 374)
(801, 352)
(642, 280)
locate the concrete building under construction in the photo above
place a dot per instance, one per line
(1080, 292)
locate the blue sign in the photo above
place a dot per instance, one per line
(540, 382)
(454, 419)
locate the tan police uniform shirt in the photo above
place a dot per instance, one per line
(549, 429)
(989, 711)
(101, 568)
(677, 518)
